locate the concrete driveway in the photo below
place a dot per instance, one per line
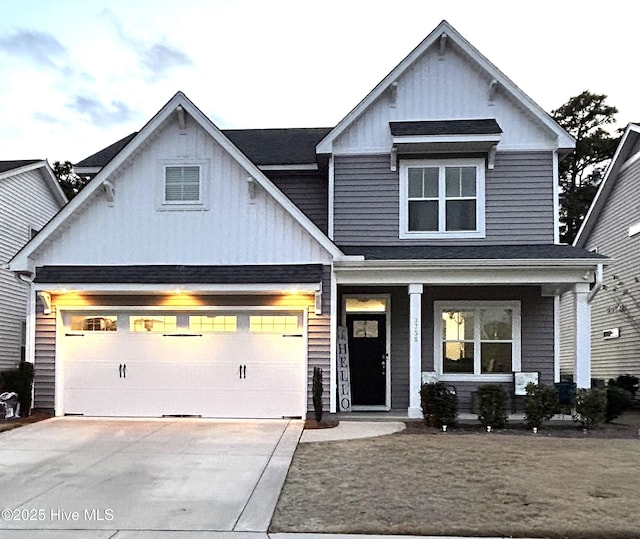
(128, 475)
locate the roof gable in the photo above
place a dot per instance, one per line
(627, 144)
(140, 143)
(495, 86)
(13, 168)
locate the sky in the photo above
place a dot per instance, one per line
(78, 75)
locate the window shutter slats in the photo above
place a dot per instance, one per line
(182, 184)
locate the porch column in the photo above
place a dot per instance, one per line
(415, 349)
(582, 345)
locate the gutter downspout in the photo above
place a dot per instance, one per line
(598, 284)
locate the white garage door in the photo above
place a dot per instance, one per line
(152, 364)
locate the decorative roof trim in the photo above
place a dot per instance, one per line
(628, 140)
(565, 141)
(21, 259)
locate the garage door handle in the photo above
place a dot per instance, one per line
(243, 371)
(122, 369)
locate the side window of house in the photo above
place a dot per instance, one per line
(442, 198)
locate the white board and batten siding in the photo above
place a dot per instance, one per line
(26, 204)
(518, 201)
(443, 87)
(233, 227)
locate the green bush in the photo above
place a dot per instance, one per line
(19, 380)
(492, 406)
(439, 404)
(627, 382)
(317, 391)
(540, 404)
(618, 400)
(590, 406)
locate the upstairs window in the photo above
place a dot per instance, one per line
(442, 198)
(182, 184)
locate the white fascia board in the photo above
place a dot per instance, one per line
(629, 138)
(476, 263)
(175, 289)
(564, 140)
(21, 170)
(464, 276)
(413, 139)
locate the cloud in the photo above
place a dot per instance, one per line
(156, 59)
(97, 112)
(159, 59)
(40, 48)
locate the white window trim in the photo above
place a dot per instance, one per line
(405, 233)
(166, 205)
(516, 351)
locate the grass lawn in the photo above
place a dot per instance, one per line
(431, 483)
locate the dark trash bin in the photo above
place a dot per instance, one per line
(9, 405)
(566, 392)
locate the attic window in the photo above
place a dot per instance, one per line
(182, 184)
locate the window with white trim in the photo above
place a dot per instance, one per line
(442, 198)
(182, 184)
(477, 338)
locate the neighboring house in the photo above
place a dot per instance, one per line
(612, 227)
(207, 272)
(29, 196)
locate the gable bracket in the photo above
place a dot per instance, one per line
(493, 88)
(109, 191)
(182, 118)
(45, 298)
(393, 160)
(442, 44)
(252, 185)
(491, 157)
(393, 93)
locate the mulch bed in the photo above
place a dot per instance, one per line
(556, 430)
(10, 424)
(311, 424)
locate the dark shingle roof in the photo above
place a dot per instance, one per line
(446, 127)
(105, 155)
(278, 146)
(468, 252)
(10, 165)
(262, 146)
(284, 274)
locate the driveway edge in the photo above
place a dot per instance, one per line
(258, 511)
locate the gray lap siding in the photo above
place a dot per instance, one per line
(518, 201)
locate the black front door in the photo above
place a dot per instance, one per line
(368, 358)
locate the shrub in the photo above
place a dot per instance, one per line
(19, 380)
(492, 406)
(628, 382)
(618, 400)
(439, 404)
(317, 393)
(590, 407)
(540, 404)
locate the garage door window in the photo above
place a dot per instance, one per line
(214, 324)
(273, 324)
(153, 324)
(93, 323)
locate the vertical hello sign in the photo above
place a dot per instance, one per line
(344, 376)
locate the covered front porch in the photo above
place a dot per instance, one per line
(463, 322)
